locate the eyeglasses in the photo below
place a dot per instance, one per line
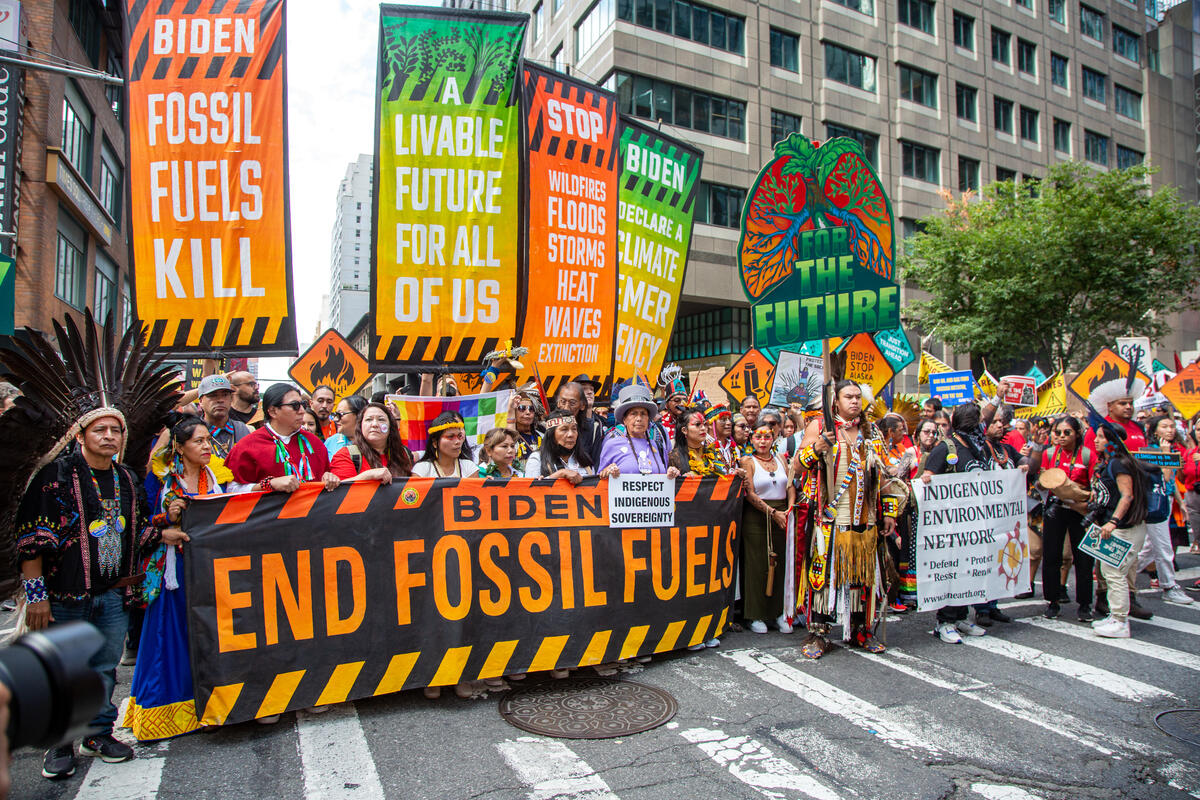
(336, 415)
(295, 405)
(523, 409)
(248, 383)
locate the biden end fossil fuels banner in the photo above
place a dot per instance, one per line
(318, 597)
(208, 176)
(447, 243)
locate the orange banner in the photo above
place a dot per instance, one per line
(208, 176)
(572, 302)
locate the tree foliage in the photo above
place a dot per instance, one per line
(1057, 268)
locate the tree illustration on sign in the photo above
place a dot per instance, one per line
(808, 186)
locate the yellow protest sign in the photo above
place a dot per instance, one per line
(1052, 398)
(930, 365)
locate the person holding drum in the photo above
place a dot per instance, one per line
(1067, 468)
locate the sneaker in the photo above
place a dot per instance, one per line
(983, 619)
(1085, 614)
(1176, 595)
(1064, 596)
(1024, 595)
(106, 748)
(1099, 623)
(782, 623)
(59, 762)
(128, 658)
(1154, 583)
(758, 626)
(969, 628)
(999, 616)
(318, 709)
(713, 643)
(430, 692)
(948, 634)
(1052, 611)
(897, 608)
(694, 647)
(1137, 612)
(1113, 630)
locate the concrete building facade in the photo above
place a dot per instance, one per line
(350, 251)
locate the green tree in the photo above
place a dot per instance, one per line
(1057, 268)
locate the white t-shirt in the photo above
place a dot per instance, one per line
(428, 469)
(533, 465)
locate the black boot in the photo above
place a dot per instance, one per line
(1136, 611)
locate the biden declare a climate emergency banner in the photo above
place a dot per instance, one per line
(318, 597)
(447, 250)
(659, 181)
(208, 176)
(972, 538)
(570, 318)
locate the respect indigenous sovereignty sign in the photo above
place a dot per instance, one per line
(570, 317)
(208, 176)
(447, 249)
(319, 597)
(972, 542)
(657, 200)
(816, 250)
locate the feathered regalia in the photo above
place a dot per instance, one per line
(92, 373)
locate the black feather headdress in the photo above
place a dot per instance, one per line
(91, 374)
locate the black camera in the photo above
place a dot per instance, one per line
(55, 694)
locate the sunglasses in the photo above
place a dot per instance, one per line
(522, 409)
(295, 405)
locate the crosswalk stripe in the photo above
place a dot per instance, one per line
(552, 770)
(994, 792)
(1159, 621)
(754, 765)
(133, 780)
(334, 755)
(1167, 654)
(1006, 702)
(833, 700)
(1119, 685)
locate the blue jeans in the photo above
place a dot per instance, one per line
(107, 612)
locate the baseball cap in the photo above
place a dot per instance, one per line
(214, 383)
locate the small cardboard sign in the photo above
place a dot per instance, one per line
(1022, 390)
(794, 370)
(953, 388)
(751, 375)
(331, 361)
(1184, 391)
(1136, 350)
(1172, 459)
(1112, 551)
(641, 501)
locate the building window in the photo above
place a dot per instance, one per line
(1057, 11)
(1095, 85)
(783, 125)
(1095, 147)
(910, 227)
(917, 14)
(557, 58)
(85, 21)
(1027, 56)
(920, 162)
(848, 67)
(785, 50)
(77, 130)
(1025, 4)
(1128, 157)
(716, 332)
(104, 298)
(1127, 102)
(127, 305)
(1091, 23)
(687, 20)
(1002, 115)
(964, 31)
(965, 102)
(537, 23)
(918, 86)
(868, 141)
(968, 174)
(1001, 46)
(647, 98)
(719, 205)
(111, 181)
(1062, 136)
(115, 94)
(1127, 44)
(1003, 174)
(1029, 124)
(861, 6)
(1058, 70)
(70, 262)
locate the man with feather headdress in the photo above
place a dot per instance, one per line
(79, 513)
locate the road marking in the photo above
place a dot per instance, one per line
(1119, 685)
(552, 770)
(335, 757)
(138, 779)
(1004, 701)
(1167, 654)
(754, 765)
(832, 700)
(993, 792)
(1159, 621)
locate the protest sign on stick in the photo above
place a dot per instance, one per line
(331, 361)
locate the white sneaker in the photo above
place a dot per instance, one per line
(713, 643)
(1176, 595)
(1114, 630)
(1100, 623)
(970, 628)
(758, 626)
(783, 624)
(694, 647)
(948, 634)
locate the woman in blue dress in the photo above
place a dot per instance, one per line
(161, 704)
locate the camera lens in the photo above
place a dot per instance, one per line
(55, 694)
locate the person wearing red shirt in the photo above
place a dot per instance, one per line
(280, 456)
(1189, 476)
(1120, 412)
(1062, 520)
(375, 451)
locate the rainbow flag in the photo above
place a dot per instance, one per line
(480, 413)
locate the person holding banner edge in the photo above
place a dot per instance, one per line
(280, 455)
(375, 451)
(443, 457)
(634, 445)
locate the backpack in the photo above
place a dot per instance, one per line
(1086, 452)
(1158, 496)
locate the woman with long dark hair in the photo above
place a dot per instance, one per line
(1062, 519)
(375, 451)
(561, 454)
(1160, 548)
(1118, 506)
(693, 454)
(446, 453)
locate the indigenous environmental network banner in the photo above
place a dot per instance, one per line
(208, 176)
(659, 181)
(570, 318)
(972, 542)
(319, 597)
(447, 247)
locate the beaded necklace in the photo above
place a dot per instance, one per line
(282, 457)
(109, 529)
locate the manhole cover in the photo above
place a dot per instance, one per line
(1183, 724)
(588, 708)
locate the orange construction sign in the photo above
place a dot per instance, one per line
(1184, 391)
(331, 361)
(866, 364)
(751, 375)
(1104, 367)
